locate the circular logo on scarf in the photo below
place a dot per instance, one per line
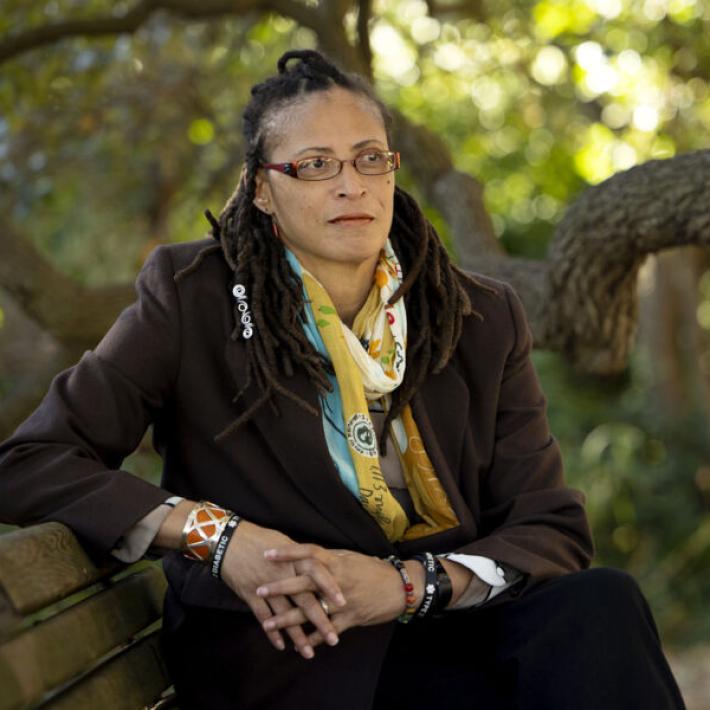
(361, 435)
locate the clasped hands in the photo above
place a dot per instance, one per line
(282, 582)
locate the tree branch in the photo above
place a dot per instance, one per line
(601, 242)
(363, 33)
(466, 8)
(581, 300)
(71, 313)
(329, 26)
(13, 46)
(456, 195)
(300, 14)
(107, 25)
(27, 392)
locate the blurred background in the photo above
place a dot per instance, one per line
(120, 124)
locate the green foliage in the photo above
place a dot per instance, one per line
(142, 131)
(114, 142)
(548, 96)
(647, 482)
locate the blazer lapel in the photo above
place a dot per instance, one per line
(298, 442)
(440, 409)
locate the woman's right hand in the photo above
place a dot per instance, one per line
(245, 569)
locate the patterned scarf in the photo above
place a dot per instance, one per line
(369, 363)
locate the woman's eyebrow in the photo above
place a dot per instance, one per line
(326, 149)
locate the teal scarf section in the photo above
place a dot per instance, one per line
(331, 402)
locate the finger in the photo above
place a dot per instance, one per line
(294, 616)
(262, 612)
(312, 560)
(315, 613)
(281, 606)
(296, 551)
(325, 582)
(291, 585)
(340, 622)
(308, 609)
(313, 577)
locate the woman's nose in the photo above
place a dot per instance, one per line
(350, 181)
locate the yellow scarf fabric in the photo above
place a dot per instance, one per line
(369, 363)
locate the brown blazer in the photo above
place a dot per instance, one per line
(169, 360)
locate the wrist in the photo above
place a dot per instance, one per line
(169, 536)
(244, 545)
(460, 576)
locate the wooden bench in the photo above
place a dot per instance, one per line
(76, 636)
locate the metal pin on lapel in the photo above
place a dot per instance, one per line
(240, 293)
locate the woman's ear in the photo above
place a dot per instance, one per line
(262, 199)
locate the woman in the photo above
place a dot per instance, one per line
(385, 457)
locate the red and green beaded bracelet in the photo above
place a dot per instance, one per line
(410, 599)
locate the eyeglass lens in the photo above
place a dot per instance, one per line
(374, 163)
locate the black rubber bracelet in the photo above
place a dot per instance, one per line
(430, 584)
(444, 586)
(222, 543)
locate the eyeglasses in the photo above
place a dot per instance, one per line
(374, 162)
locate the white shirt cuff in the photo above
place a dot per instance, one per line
(484, 570)
(135, 542)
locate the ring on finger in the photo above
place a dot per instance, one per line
(324, 605)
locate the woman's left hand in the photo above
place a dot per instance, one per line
(372, 587)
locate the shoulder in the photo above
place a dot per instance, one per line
(185, 266)
(188, 257)
(490, 296)
(186, 277)
(498, 319)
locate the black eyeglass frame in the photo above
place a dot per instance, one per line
(291, 169)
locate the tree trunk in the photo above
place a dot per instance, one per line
(671, 342)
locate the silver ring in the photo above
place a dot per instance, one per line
(324, 606)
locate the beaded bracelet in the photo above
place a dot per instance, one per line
(431, 586)
(410, 599)
(203, 529)
(221, 548)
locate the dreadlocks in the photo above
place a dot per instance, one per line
(432, 287)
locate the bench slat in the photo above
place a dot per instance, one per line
(42, 564)
(131, 680)
(9, 618)
(52, 652)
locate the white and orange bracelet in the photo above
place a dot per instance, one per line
(203, 530)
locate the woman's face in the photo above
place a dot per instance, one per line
(343, 220)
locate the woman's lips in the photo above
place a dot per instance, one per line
(352, 219)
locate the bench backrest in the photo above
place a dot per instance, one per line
(74, 635)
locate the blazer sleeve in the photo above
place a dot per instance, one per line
(63, 463)
(530, 520)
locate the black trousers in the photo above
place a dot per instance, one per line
(585, 641)
(578, 642)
